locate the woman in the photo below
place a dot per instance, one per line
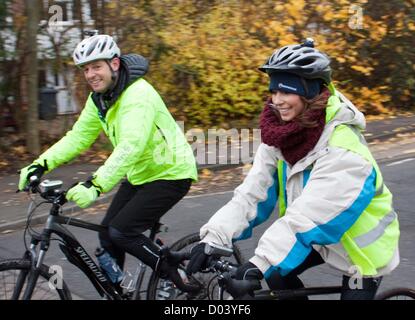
(313, 160)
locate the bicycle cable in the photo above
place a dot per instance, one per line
(28, 228)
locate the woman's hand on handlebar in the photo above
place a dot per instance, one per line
(242, 282)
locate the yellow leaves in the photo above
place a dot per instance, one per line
(378, 33)
(377, 28)
(369, 98)
(341, 59)
(205, 173)
(365, 70)
(210, 50)
(277, 28)
(19, 150)
(279, 7)
(411, 26)
(294, 8)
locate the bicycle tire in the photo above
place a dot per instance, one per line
(185, 242)
(9, 270)
(394, 294)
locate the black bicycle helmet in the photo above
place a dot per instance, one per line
(301, 59)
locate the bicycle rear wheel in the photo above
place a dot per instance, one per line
(162, 289)
(13, 271)
(397, 294)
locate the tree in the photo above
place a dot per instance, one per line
(32, 125)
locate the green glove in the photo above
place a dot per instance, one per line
(34, 169)
(83, 194)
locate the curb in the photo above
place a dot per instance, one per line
(73, 210)
(70, 210)
(385, 136)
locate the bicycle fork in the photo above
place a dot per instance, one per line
(33, 274)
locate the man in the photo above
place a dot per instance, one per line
(149, 148)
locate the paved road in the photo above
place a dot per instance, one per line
(13, 206)
(193, 212)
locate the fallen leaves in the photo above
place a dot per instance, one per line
(217, 181)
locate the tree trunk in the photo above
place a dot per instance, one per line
(32, 123)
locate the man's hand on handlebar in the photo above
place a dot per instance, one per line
(26, 173)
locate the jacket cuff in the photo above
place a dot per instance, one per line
(261, 264)
(210, 237)
(43, 163)
(95, 184)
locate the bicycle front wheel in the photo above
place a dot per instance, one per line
(13, 282)
(164, 289)
(397, 294)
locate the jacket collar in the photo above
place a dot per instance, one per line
(132, 68)
(339, 111)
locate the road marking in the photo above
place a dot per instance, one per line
(208, 194)
(399, 162)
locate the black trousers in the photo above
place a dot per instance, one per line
(366, 290)
(134, 210)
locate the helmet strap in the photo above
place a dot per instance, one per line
(114, 76)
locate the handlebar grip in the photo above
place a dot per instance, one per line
(34, 181)
(239, 289)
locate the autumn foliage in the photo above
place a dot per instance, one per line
(204, 54)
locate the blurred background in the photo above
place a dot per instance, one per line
(203, 58)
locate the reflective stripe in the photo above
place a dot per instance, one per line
(264, 209)
(327, 233)
(374, 234)
(284, 181)
(282, 196)
(306, 176)
(379, 191)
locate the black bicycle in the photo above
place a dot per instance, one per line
(230, 288)
(29, 278)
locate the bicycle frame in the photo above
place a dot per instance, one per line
(76, 254)
(284, 294)
(72, 249)
(226, 270)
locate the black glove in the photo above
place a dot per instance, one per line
(248, 271)
(198, 259)
(34, 169)
(169, 263)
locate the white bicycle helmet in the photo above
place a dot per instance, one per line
(97, 47)
(301, 59)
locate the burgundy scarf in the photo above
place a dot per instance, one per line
(294, 140)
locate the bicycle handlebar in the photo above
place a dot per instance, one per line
(48, 190)
(175, 259)
(238, 289)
